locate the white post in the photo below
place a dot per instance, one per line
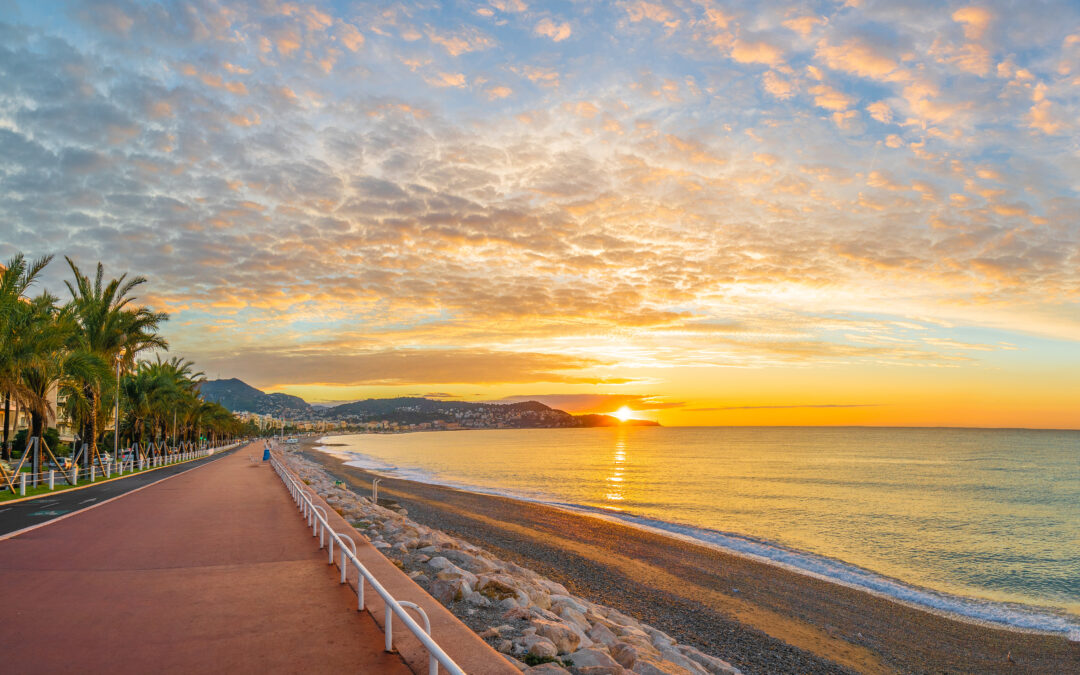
(388, 627)
(140, 462)
(52, 479)
(93, 472)
(108, 469)
(22, 484)
(74, 474)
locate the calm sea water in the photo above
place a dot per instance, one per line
(981, 523)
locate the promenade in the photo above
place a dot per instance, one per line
(211, 570)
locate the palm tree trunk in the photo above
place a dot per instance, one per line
(7, 422)
(91, 431)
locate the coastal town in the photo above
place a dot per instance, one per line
(269, 412)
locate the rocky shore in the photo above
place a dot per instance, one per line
(537, 623)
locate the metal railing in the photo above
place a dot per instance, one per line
(316, 519)
(76, 475)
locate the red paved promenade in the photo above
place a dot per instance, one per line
(210, 571)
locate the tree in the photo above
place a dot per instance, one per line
(16, 350)
(109, 327)
(50, 329)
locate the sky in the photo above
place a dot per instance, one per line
(713, 213)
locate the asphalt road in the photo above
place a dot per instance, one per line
(18, 516)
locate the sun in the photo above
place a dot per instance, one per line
(624, 413)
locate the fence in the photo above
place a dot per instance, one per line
(320, 527)
(19, 480)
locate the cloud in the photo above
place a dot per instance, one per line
(757, 51)
(975, 19)
(350, 36)
(461, 41)
(651, 11)
(831, 99)
(274, 368)
(446, 80)
(777, 85)
(859, 56)
(630, 206)
(556, 31)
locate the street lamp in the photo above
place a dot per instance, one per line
(116, 414)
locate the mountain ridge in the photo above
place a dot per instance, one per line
(238, 396)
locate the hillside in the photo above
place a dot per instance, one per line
(238, 396)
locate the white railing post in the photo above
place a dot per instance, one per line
(389, 627)
(93, 473)
(52, 479)
(22, 484)
(108, 469)
(359, 588)
(74, 474)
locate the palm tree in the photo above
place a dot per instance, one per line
(55, 366)
(109, 328)
(15, 349)
(179, 383)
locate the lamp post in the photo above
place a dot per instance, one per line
(116, 412)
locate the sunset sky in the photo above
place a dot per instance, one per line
(854, 212)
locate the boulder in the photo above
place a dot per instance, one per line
(455, 572)
(514, 612)
(447, 591)
(602, 635)
(627, 655)
(542, 648)
(585, 658)
(473, 563)
(540, 598)
(575, 617)
(497, 587)
(659, 638)
(474, 598)
(566, 639)
(560, 601)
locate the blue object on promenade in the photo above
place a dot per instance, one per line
(266, 454)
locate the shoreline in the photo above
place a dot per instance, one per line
(776, 619)
(744, 546)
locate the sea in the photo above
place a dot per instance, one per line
(979, 524)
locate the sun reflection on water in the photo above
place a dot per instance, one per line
(615, 487)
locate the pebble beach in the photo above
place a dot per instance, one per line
(593, 596)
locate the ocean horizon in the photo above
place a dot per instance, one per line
(979, 524)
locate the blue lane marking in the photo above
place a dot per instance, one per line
(48, 513)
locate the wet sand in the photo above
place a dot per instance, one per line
(760, 618)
